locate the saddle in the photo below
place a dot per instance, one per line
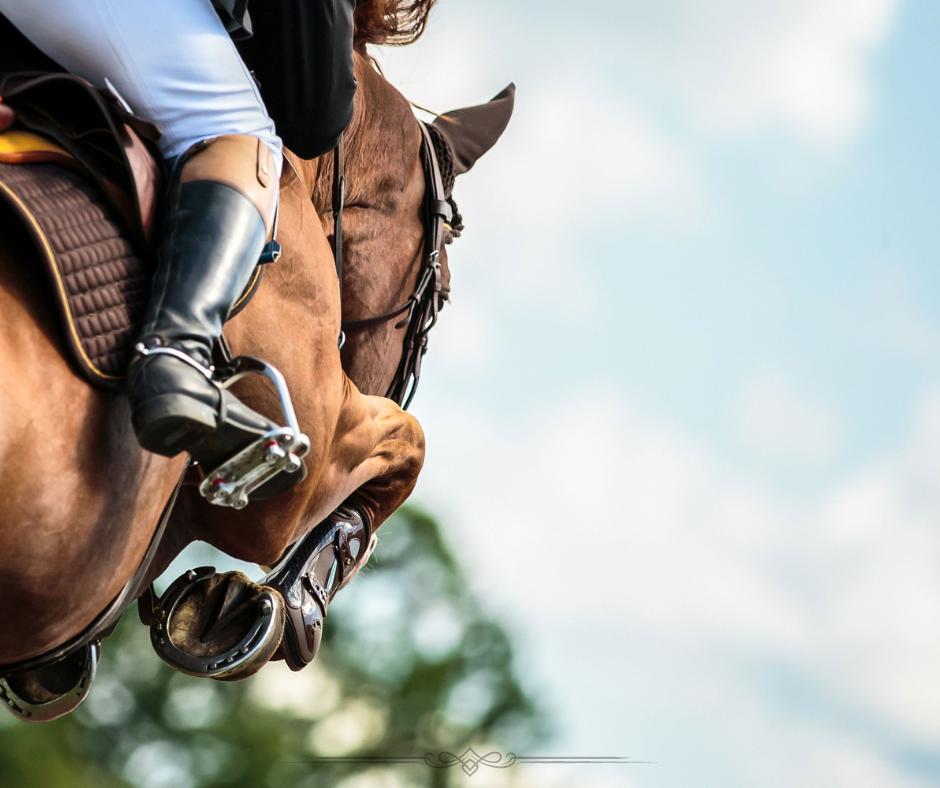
(77, 168)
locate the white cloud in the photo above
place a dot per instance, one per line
(656, 536)
(571, 164)
(738, 67)
(464, 340)
(774, 419)
(742, 67)
(576, 158)
(891, 314)
(610, 539)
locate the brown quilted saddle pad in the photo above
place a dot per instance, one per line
(88, 189)
(101, 285)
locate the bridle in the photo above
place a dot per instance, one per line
(426, 300)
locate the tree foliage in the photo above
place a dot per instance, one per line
(410, 665)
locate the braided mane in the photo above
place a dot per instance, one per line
(391, 22)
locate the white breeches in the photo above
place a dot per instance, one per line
(170, 60)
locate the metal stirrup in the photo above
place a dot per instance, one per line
(279, 450)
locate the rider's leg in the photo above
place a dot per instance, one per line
(173, 62)
(220, 213)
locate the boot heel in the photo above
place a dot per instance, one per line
(172, 423)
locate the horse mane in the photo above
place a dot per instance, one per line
(391, 22)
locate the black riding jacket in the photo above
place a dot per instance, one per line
(302, 56)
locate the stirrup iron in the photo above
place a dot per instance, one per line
(277, 451)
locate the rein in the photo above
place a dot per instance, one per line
(425, 302)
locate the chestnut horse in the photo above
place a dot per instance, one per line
(80, 499)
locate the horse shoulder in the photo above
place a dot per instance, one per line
(80, 499)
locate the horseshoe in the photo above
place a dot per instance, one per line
(246, 657)
(14, 689)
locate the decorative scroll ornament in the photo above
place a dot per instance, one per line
(471, 761)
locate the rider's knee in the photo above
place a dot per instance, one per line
(241, 161)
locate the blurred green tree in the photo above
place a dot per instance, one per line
(410, 665)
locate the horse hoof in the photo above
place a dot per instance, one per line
(53, 691)
(218, 626)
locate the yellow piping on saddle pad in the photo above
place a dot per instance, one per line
(40, 235)
(15, 144)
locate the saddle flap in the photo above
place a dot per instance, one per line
(101, 285)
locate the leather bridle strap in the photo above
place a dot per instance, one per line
(426, 299)
(424, 303)
(339, 200)
(365, 322)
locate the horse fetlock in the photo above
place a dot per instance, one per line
(220, 626)
(308, 584)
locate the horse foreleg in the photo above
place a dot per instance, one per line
(371, 464)
(376, 456)
(364, 449)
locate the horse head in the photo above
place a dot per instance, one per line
(385, 222)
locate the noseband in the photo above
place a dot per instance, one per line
(421, 308)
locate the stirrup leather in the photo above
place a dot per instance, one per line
(277, 451)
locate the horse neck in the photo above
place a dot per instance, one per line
(374, 97)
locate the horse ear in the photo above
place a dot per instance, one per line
(472, 131)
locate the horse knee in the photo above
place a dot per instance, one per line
(414, 448)
(404, 447)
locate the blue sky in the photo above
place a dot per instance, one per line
(683, 414)
(684, 411)
(780, 249)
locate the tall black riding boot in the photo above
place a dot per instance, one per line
(214, 237)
